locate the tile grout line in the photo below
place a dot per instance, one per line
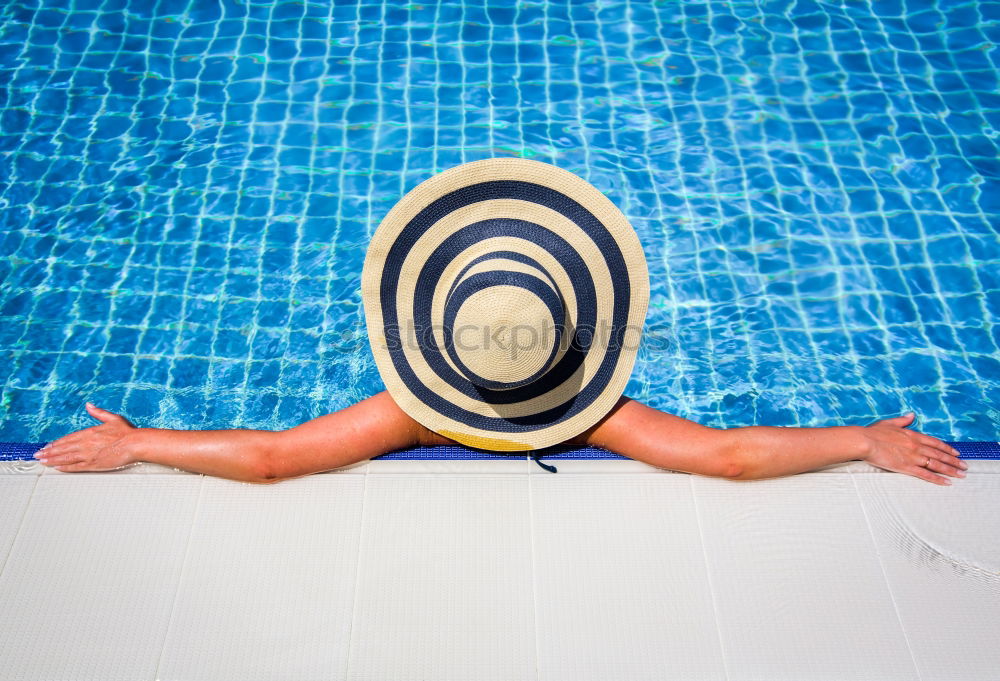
(534, 571)
(20, 525)
(885, 576)
(708, 577)
(180, 577)
(357, 569)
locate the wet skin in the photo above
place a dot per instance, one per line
(377, 425)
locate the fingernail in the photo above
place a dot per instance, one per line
(961, 474)
(947, 482)
(963, 465)
(44, 461)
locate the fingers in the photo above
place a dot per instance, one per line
(56, 448)
(925, 474)
(900, 421)
(71, 462)
(931, 461)
(945, 467)
(62, 459)
(943, 457)
(72, 439)
(949, 452)
(74, 467)
(935, 443)
(58, 453)
(946, 455)
(66, 459)
(102, 415)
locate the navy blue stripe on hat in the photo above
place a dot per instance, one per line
(503, 255)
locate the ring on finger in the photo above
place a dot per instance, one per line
(927, 463)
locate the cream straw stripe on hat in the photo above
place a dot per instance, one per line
(504, 300)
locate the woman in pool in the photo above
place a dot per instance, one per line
(504, 299)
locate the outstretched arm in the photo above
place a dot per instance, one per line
(363, 430)
(634, 430)
(376, 426)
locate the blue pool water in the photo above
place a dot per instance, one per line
(187, 190)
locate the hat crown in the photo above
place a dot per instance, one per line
(503, 322)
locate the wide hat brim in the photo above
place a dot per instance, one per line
(520, 211)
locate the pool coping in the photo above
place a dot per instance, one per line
(24, 451)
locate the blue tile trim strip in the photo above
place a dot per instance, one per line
(14, 451)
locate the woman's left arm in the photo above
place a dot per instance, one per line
(363, 430)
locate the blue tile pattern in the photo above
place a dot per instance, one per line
(187, 189)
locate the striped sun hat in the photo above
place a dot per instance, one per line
(505, 300)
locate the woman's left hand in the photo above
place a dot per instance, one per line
(98, 448)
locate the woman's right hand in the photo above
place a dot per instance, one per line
(891, 446)
(98, 448)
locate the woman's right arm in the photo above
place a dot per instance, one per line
(660, 439)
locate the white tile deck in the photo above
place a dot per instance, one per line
(475, 570)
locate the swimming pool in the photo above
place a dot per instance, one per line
(188, 190)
